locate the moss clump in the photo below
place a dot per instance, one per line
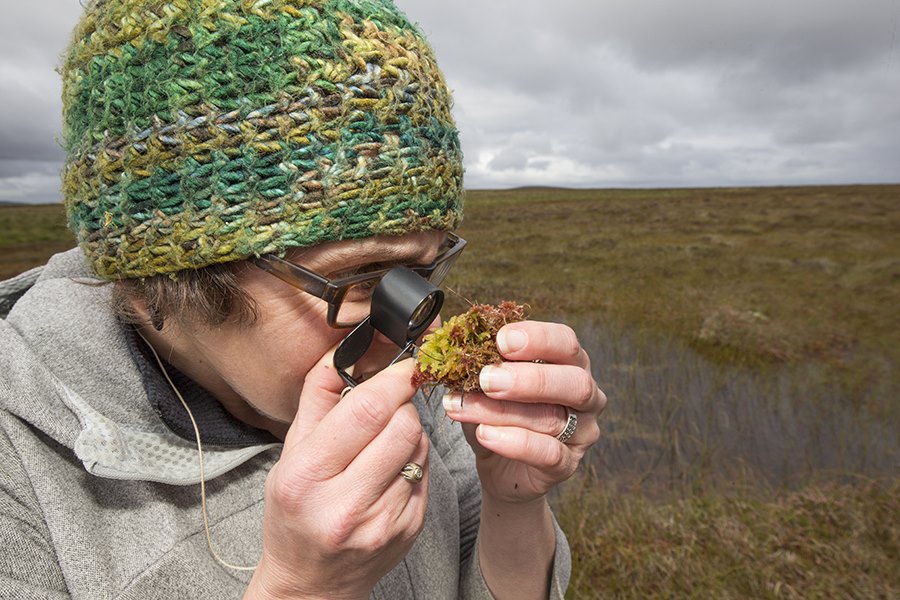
(454, 354)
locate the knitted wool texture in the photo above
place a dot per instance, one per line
(206, 131)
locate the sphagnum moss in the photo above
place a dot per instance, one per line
(454, 354)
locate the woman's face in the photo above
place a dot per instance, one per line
(257, 371)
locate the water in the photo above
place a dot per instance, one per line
(677, 422)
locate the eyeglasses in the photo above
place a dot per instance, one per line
(350, 298)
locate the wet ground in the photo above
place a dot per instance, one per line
(677, 422)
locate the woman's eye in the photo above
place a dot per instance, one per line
(361, 291)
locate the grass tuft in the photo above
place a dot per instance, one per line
(828, 541)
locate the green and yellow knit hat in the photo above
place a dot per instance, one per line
(206, 131)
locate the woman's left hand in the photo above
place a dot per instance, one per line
(513, 425)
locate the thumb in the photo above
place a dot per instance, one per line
(321, 392)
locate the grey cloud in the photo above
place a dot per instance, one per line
(37, 34)
(699, 92)
(15, 168)
(31, 43)
(30, 125)
(512, 159)
(29, 181)
(797, 38)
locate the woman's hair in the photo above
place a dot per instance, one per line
(204, 297)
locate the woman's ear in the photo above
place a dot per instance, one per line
(156, 318)
(137, 310)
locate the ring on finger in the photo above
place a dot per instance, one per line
(412, 472)
(571, 424)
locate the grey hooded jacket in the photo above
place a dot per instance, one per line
(99, 497)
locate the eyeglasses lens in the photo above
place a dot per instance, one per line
(357, 303)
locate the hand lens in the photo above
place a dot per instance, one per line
(404, 304)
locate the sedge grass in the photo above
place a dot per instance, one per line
(829, 541)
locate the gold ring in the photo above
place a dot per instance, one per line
(412, 472)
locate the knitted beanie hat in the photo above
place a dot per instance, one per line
(206, 131)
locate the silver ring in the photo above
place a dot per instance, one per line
(571, 425)
(412, 472)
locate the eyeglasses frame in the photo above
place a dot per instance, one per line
(333, 291)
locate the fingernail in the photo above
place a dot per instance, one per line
(452, 403)
(511, 340)
(489, 433)
(495, 379)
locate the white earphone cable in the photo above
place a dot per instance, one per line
(203, 511)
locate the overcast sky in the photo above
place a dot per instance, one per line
(598, 93)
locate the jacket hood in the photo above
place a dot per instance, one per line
(66, 369)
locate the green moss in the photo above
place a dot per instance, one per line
(454, 354)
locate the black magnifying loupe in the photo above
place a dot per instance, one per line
(404, 304)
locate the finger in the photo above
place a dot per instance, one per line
(542, 452)
(548, 419)
(320, 393)
(403, 504)
(358, 521)
(400, 494)
(531, 382)
(357, 419)
(549, 342)
(378, 465)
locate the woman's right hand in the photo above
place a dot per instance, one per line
(338, 515)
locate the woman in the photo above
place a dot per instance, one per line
(208, 141)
